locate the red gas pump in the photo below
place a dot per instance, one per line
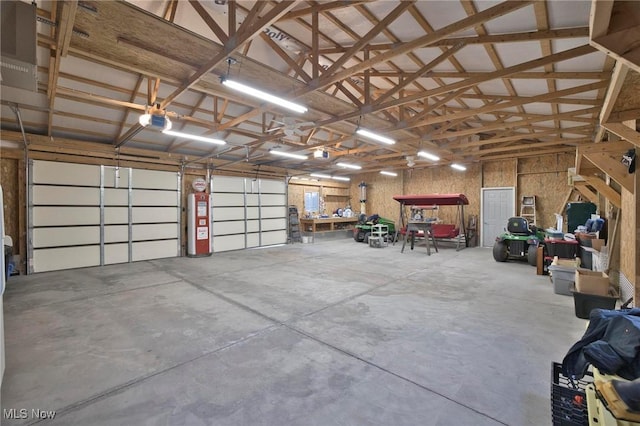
(199, 221)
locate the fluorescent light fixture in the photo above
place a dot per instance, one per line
(349, 166)
(320, 175)
(288, 154)
(386, 173)
(340, 178)
(458, 166)
(194, 137)
(375, 137)
(428, 156)
(263, 95)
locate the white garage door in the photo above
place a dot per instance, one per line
(83, 215)
(247, 212)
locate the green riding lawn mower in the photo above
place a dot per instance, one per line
(362, 231)
(520, 242)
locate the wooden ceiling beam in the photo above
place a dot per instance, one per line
(418, 74)
(532, 146)
(513, 124)
(461, 25)
(528, 154)
(624, 132)
(364, 40)
(211, 23)
(577, 32)
(539, 75)
(325, 7)
(614, 168)
(608, 192)
(584, 189)
(521, 101)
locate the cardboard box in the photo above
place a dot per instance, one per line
(592, 282)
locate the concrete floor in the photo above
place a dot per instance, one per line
(331, 333)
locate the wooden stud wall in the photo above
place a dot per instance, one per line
(9, 172)
(380, 192)
(628, 258)
(498, 173)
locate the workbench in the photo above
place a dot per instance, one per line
(328, 224)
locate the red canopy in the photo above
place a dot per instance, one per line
(432, 199)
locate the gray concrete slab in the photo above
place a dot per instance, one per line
(333, 332)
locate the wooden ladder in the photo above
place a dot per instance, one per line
(528, 208)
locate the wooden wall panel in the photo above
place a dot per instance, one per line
(380, 192)
(546, 178)
(12, 208)
(499, 173)
(628, 260)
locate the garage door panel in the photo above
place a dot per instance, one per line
(116, 253)
(227, 213)
(228, 242)
(274, 224)
(65, 195)
(155, 214)
(55, 173)
(155, 231)
(111, 181)
(229, 227)
(272, 186)
(116, 215)
(65, 258)
(154, 249)
(273, 212)
(227, 184)
(253, 226)
(253, 240)
(116, 197)
(227, 200)
(274, 237)
(67, 236)
(61, 216)
(116, 233)
(273, 200)
(253, 212)
(154, 179)
(145, 197)
(253, 200)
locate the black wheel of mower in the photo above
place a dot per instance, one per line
(358, 235)
(532, 255)
(500, 251)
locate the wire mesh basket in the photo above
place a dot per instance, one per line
(568, 398)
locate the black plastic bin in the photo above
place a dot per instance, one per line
(568, 398)
(584, 303)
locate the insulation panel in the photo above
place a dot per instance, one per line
(116, 253)
(116, 233)
(154, 179)
(227, 184)
(154, 249)
(155, 231)
(54, 173)
(55, 259)
(274, 224)
(227, 200)
(229, 227)
(227, 213)
(67, 236)
(145, 197)
(228, 242)
(274, 237)
(272, 187)
(155, 214)
(66, 195)
(63, 216)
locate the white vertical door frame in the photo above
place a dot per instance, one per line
(482, 193)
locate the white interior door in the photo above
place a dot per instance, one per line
(498, 205)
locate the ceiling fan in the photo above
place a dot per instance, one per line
(291, 127)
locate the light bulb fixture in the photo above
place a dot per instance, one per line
(386, 173)
(428, 156)
(288, 154)
(320, 175)
(375, 137)
(343, 178)
(458, 167)
(193, 137)
(349, 166)
(263, 95)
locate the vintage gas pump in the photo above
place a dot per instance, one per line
(199, 220)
